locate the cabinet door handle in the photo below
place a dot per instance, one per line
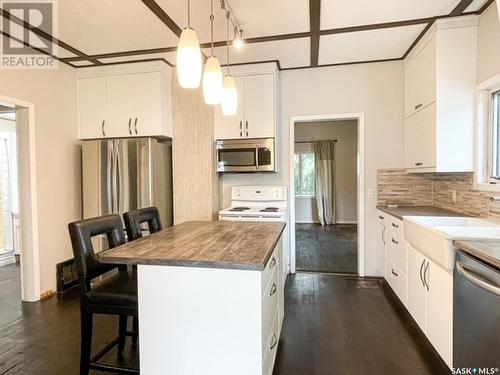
(274, 341)
(419, 164)
(273, 290)
(427, 273)
(102, 128)
(383, 235)
(130, 126)
(418, 106)
(421, 277)
(272, 263)
(246, 124)
(247, 133)
(241, 125)
(241, 134)
(135, 126)
(395, 242)
(394, 273)
(395, 226)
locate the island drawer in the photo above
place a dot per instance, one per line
(269, 305)
(271, 347)
(271, 266)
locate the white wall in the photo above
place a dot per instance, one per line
(376, 90)
(53, 93)
(488, 46)
(345, 132)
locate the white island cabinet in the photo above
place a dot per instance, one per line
(210, 297)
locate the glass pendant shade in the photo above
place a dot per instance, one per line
(189, 62)
(229, 102)
(212, 81)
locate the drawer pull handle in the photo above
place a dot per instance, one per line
(274, 342)
(418, 106)
(395, 225)
(395, 242)
(419, 164)
(273, 290)
(394, 273)
(272, 263)
(381, 217)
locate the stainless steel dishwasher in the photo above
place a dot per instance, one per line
(476, 315)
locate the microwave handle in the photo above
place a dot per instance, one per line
(257, 157)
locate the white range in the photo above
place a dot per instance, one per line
(256, 203)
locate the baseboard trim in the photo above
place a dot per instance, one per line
(317, 222)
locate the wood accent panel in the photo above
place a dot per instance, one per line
(209, 244)
(459, 9)
(195, 179)
(314, 22)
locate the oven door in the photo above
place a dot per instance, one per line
(245, 155)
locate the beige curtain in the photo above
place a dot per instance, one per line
(324, 154)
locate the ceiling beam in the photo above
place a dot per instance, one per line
(485, 6)
(460, 8)
(35, 30)
(314, 22)
(420, 36)
(163, 16)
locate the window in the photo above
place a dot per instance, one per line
(305, 174)
(487, 176)
(494, 118)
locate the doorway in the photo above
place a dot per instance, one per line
(326, 209)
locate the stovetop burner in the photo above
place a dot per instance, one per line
(239, 209)
(270, 209)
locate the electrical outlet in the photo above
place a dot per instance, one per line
(370, 194)
(454, 195)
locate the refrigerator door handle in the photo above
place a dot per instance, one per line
(109, 175)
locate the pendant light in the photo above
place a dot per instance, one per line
(229, 102)
(238, 38)
(189, 62)
(212, 75)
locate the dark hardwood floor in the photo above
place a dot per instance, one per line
(332, 327)
(330, 248)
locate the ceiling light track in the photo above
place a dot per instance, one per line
(237, 30)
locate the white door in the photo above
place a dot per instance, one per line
(420, 138)
(147, 97)
(259, 106)
(231, 127)
(92, 107)
(439, 317)
(381, 241)
(416, 289)
(120, 105)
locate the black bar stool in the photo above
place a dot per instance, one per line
(116, 294)
(134, 219)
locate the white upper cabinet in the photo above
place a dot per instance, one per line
(92, 107)
(231, 127)
(440, 81)
(259, 106)
(256, 116)
(125, 102)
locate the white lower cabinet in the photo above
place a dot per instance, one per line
(430, 301)
(425, 288)
(210, 321)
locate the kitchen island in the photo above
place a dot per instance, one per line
(210, 297)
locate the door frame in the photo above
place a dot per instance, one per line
(30, 251)
(360, 118)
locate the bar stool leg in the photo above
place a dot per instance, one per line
(86, 341)
(122, 335)
(135, 329)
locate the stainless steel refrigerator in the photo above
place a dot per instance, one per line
(124, 174)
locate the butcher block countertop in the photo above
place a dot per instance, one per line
(209, 244)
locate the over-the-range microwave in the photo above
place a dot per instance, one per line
(245, 155)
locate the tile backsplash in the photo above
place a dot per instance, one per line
(396, 186)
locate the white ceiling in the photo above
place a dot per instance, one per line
(110, 26)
